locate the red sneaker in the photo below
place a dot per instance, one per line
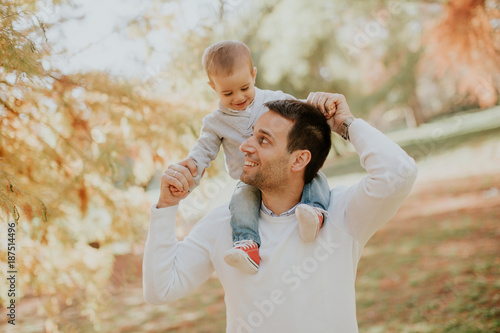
(309, 220)
(244, 255)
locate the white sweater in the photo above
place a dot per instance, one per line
(300, 287)
(230, 129)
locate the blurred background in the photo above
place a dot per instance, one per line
(97, 98)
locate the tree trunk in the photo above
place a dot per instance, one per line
(414, 115)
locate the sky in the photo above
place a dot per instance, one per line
(98, 41)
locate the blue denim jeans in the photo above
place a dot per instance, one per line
(246, 199)
(317, 192)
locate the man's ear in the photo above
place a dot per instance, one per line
(300, 159)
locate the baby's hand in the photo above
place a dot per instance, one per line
(330, 111)
(189, 163)
(176, 192)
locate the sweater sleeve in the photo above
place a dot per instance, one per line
(171, 269)
(206, 148)
(377, 197)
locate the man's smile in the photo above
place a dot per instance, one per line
(250, 163)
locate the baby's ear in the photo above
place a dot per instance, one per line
(254, 73)
(211, 84)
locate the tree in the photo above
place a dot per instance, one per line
(465, 46)
(76, 153)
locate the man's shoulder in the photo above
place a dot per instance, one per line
(337, 197)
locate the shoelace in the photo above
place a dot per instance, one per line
(245, 244)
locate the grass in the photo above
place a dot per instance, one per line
(437, 273)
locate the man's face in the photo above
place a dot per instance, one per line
(267, 160)
(236, 91)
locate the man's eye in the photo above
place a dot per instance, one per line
(263, 140)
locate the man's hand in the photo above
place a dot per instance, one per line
(176, 183)
(333, 106)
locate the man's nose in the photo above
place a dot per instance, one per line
(247, 146)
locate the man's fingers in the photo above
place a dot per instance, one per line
(183, 175)
(317, 102)
(313, 99)
(174, 185)
(320, 100)
(342, 105)
(329, 102)
(170, 178)
(177, 179)
(310, 98)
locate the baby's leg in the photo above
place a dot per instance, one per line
(244, 208)
(312, 212)
(316, 193)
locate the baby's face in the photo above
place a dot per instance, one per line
(236, 91)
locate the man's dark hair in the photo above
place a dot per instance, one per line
(309, 131)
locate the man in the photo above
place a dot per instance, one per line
(300, 287)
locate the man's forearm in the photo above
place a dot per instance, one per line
(171, 269)
(159, 255)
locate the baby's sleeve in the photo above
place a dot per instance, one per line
(206, 148)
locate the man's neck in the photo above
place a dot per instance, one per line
(281, 201)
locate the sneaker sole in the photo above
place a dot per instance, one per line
(243, 263)
(308, 224)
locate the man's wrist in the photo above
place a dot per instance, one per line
(162, 204)
(344, 132)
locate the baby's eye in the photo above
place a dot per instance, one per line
(227, 94)
(246, 88)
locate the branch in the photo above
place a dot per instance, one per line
(8, 107)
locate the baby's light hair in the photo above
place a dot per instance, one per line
(223, 58)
